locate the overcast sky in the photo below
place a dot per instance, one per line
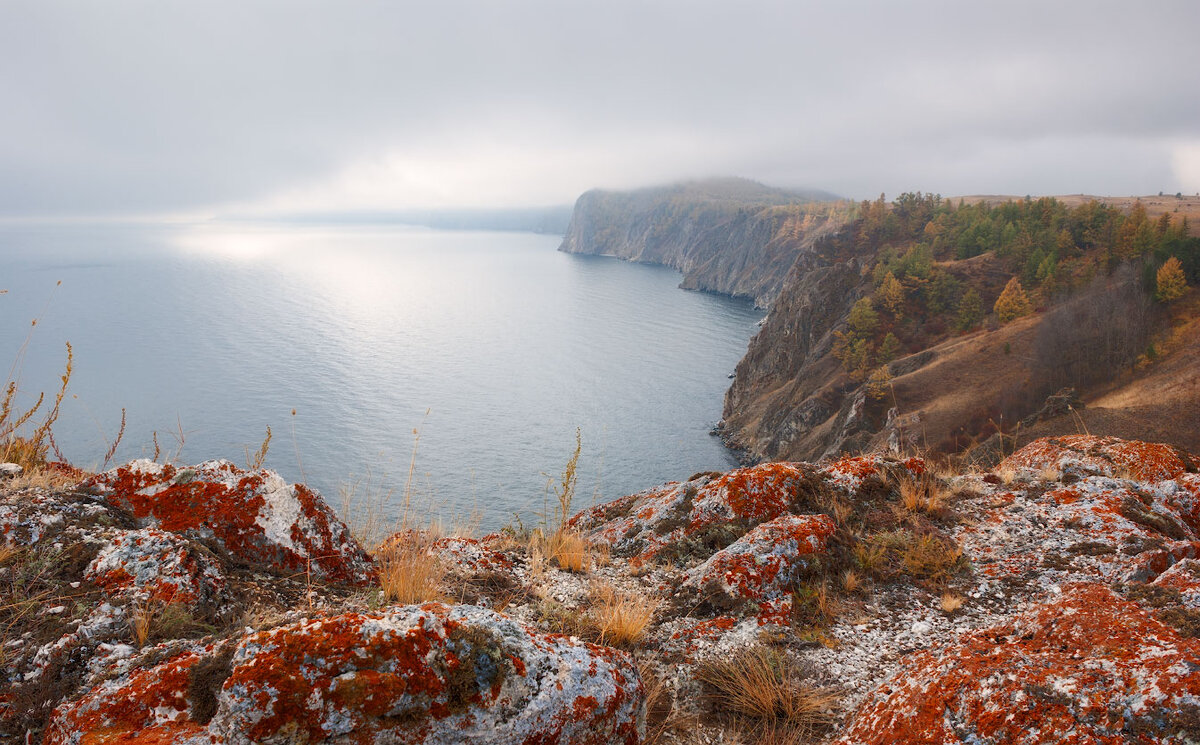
(222, 107)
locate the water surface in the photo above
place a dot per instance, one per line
(224, 329)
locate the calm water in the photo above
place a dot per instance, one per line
(509, 345)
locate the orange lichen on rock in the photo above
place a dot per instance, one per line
(148, 706)
(1088, 667)
(761, 564)
(1103, 456)
(253, 514)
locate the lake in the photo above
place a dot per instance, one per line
(495, 347)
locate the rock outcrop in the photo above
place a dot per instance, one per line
(725, 235)
(253, 515)
(1088, 666)
(431, 674)
(1055, 599)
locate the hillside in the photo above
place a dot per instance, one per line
(888, 333)
(731, 236)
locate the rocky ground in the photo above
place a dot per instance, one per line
(1054, 599)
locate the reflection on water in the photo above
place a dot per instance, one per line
(509, 344)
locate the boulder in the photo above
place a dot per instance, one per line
(413, 674)
(1085, 455)
(761, 565)
(1085, 667)
(254, 516)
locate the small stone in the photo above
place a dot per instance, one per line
(10, 470)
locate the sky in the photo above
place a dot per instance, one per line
(276, 108)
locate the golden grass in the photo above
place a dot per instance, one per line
(43, 478)
(928, 557)
(621, 618)
(141, 619)
(409, 571)
(851, 582)
(761, 684)
(950, 603)
(923, 493)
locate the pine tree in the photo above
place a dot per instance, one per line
(889, 348)
(970, 310)
(1012, 303)
(1170, 281)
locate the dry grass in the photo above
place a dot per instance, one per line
(621, 618)
(1006, 475)
(557, 541)
(869, 557)
(141, 619)
(851, 582)
(924, 493)
(929, 557)
(950, 603)
(44, 478)
(566, 548)
(761, 685)
(409, 571)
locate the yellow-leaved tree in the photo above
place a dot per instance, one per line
(1013, 302)
(1170, 282)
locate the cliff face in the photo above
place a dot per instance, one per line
(729, 236)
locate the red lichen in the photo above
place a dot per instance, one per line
(1089, 667)
(150, 707)
(1108, 456)
(220, 500)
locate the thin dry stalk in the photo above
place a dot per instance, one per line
(112, 449)
(255, 462)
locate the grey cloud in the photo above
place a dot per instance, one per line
(132, 107)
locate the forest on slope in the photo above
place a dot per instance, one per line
(936, 323)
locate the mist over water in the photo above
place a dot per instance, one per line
(508, 344)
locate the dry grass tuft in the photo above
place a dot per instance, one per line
(951, 603)
(929, 557)
(1007, 475)
(851, 582)
(621, 618)
(923, 493)
(141, 619)
(409, 571)
(566, 548)
(762, 685)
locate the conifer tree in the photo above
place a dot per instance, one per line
(970, 310)
(1170, 282)
(1013, 302)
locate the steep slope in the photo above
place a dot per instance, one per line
(731, 236)
(881, 336)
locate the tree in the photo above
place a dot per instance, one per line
(1013, 302)
(889, 348)
(1170, 281)
(970, 310)
(891, 294)
(863, 318)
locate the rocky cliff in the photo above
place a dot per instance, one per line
(730, 236)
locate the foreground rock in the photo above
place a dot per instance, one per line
(253, 515)
(1054, 600)
(1086, 667)
(431, 674)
